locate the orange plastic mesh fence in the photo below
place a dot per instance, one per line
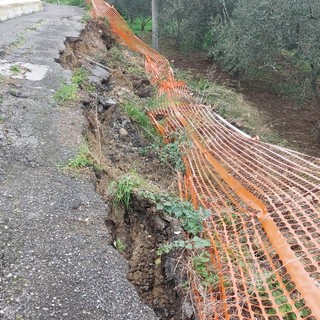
(265, 203)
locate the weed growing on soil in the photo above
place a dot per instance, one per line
(1, 117)
(66, 93)
(190, 244)
(140, 117)
(170, 153)
(15, 69)
(83, 159)
(190, 218)
(119, 245)
(123, 188)
(203, 266)
(1, 98)
(80, 78)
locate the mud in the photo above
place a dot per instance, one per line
(116, 144)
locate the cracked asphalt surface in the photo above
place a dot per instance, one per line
(56, 261)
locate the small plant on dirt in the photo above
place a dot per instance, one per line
(123, 188)
(170, 153)
(190, 244)
(203, 267)
(15, 69)
(191, 218)
(83, 159)
(140, 117)
(1, 98)
(120, 245)
(79, 76)
(115, 54)
(1, 117)
(66, 93)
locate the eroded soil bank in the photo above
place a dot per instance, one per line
(116, 76)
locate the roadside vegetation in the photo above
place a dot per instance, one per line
(69, 91)
(79, 3)
(274, 44)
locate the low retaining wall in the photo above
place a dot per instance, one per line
(14, 8)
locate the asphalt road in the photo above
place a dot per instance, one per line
(56, 261)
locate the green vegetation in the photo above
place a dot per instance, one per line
(83, 159)
(1, 98)
(122, 189)
(231, 106)
(140, 25)
(120, 245)
(68, 92)
(16, 69)
(190, 218)
(137, 111)
(275, 42)
(79, 3)
(169, 153)
(203, 266)
(80, 78)
(137, 13)
(1, 117)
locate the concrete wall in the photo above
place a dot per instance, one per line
(14, 8)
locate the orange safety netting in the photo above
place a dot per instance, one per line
(264, 199)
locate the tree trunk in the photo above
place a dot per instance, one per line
(315, 74)
(155, 25)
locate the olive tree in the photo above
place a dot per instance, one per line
(134, 9)
(263, 34)
(189, 21)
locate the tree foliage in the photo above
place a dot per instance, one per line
(270, 35)
(188, 21)
(134, 9)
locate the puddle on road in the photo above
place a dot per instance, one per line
(21, 70)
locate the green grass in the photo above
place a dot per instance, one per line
(139, 26)
(136, 109)
(122, 189)
(66, 92)
(232, 107)
(79, 3)
(16, 69)
(83, 159)
(79, 76)
(120, 245)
